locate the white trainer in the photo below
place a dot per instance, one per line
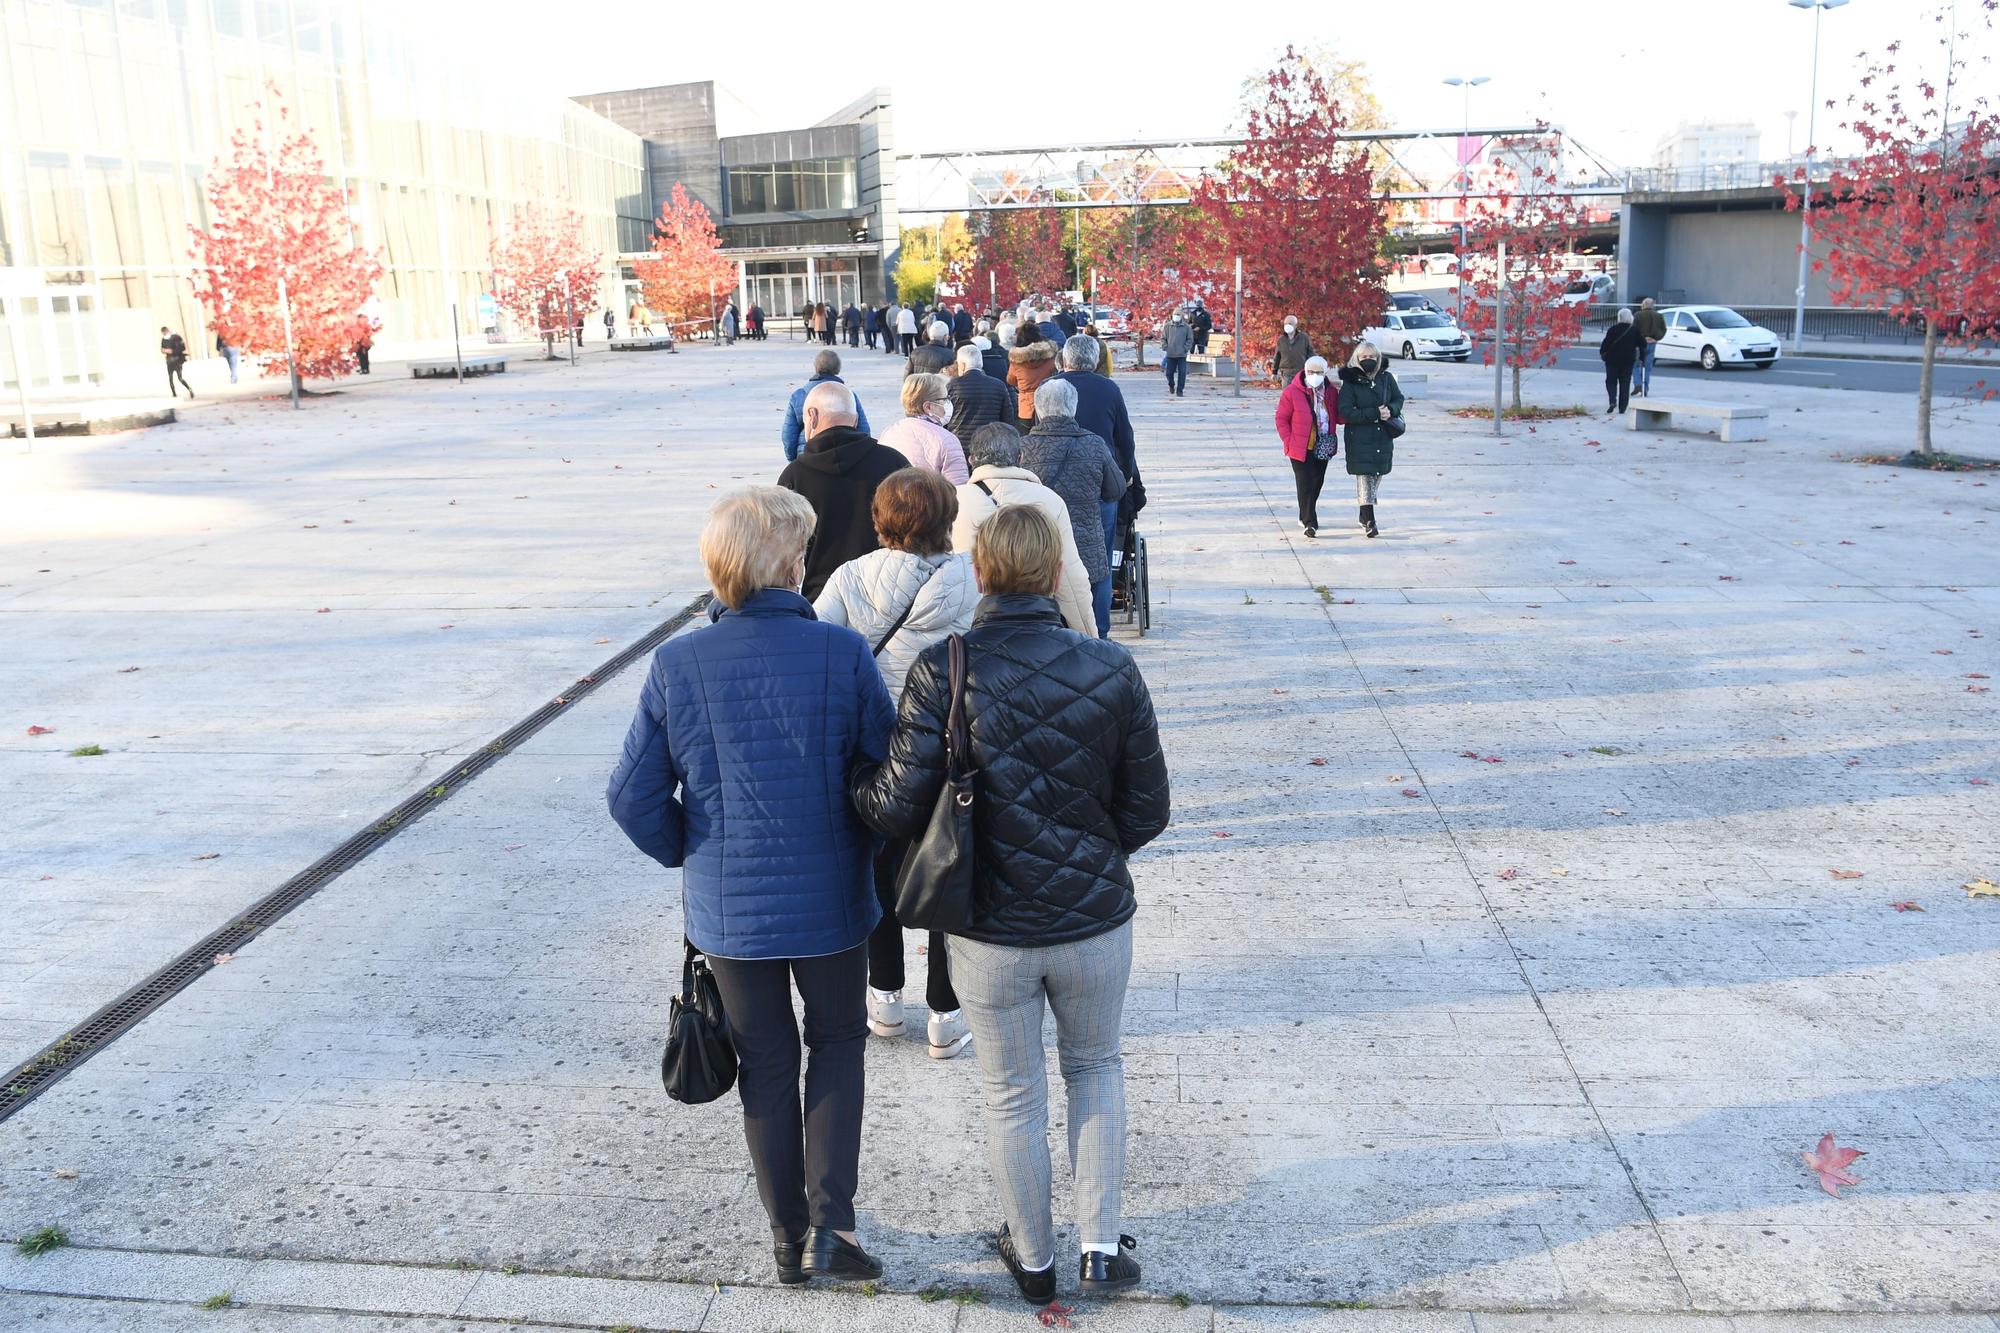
(949, 1034)
(885, 1012)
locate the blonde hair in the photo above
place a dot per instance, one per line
(923, 388)
(1018, 550)
(752, 539)
(1361, 349)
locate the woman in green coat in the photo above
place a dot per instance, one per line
(1369, 398)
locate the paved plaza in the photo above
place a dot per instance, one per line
(1526, 912)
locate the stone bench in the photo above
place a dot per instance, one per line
(474, 365)
(1729, 423)
(654, 344)
(1208, 363)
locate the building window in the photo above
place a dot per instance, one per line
(814, 185)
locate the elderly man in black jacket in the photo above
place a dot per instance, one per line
(1100, 409)
(977, 399)
(934, 354)
(1072, 780)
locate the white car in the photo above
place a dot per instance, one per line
(1589, 289)
(1420, 335)
(1715, 336)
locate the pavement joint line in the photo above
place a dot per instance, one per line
(1478, 885)
(48, 1066)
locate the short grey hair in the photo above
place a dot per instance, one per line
(833, 398)
(940, 331)
(826, 363)
(1316, 363)
(1055, 398)
(1080, 352)
(996, 444)
(1625, 315)
(1006, 331)
(969, 357)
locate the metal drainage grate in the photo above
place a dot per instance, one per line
(35, 1076)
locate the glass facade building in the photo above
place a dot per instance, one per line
(112, 113)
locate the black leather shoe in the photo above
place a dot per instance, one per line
(827, 1255)
(789, 1253)
(1102, 1274)
(1036, 1288)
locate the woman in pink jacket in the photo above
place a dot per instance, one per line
(921, 435)
(1308, 418)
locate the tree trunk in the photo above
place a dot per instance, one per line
(1139, 344)
(1925, 379)
(1516, 369)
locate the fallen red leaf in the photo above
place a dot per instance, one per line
(1468, 754)
(1492, 759)
(600, 641)
(1906, 906)
(41, 731)
(1222, 833)
(1941, 652)
(1411, 791)
(1830, 1165)
(1979, 782)
(222, 958)
(1976, 675)
(1725, 578)
(323, 610)
(1510, 873)
(1055, 1315)
(1317, 762)
(1846, 874)
(1565, 562)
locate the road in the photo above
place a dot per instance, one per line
(1814, 371)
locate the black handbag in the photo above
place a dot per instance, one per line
(934, 888)
(700, 1061)
(1395, 426)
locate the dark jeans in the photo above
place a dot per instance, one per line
(175, 372)
(361, 355)
(853, 336)
(806, 1163)
(909, 343)
(870, 335)
(1310, 476)
(1617, 388)
(885, 946)
(1176, 369)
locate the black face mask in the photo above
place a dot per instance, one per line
(1368, 364)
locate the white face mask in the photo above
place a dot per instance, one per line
(1290, 327)
(941, 412)
(1315, 380)
(1180, 318)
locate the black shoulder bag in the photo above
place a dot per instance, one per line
(934, 889)
(700, 1062)
(904, 619)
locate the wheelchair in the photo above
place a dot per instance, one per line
(1131, 586)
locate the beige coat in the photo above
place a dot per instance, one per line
(1017, 485)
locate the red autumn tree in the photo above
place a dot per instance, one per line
(1297, 203)
(1017, 253)
(1539, 225)
(687, 259)
(546, 269)
(1153, 268)
(279, 272)
(1912, 225)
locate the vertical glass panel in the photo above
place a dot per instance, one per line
(273, 23)
(228, 15)
(56, 198)
(114, 205)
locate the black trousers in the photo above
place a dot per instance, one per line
(807, 1162)
(1309, 474)
(909, 341)
(885, 946)
(1618, 388)
(175, 371)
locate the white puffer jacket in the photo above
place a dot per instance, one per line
(867, 594)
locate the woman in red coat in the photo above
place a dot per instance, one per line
(1308, 417)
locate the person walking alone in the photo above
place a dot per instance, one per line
(229, 354)
(1371, 404)
(610, 326)
(1289, 355)
(1072, 781)
(902, 598)
(1618, 351)
(776, 878)
(1176, 341)
(174, 349)
(1308, 428)
(1650, 326)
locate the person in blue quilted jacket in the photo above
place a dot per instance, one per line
(735, 772)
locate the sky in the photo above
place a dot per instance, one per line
(1617, 77)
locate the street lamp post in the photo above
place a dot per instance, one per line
(1466, 85)
(1805, 204)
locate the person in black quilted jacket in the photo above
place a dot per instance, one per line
(1071, 781)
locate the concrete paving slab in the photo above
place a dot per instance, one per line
(1354, 1040)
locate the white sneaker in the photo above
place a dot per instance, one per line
(885, 1012)
(948, 1034)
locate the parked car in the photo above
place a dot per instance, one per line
(1715, 336)
(1439, 264)
(1414, 301)
(1590, 289)
(1420, 335)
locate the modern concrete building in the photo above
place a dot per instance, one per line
(808, 214)
(1694, 148)
(111, 116)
